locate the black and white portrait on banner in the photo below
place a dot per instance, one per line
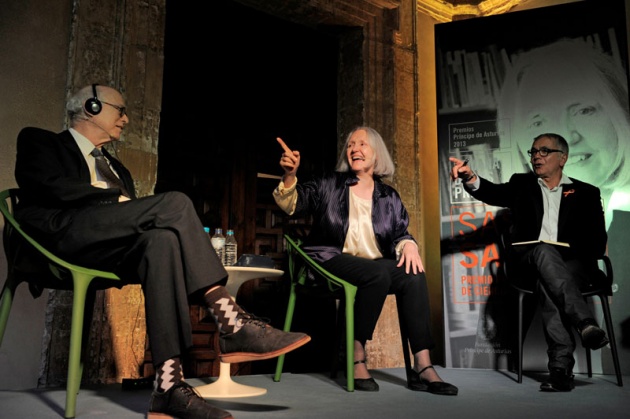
(502, 80)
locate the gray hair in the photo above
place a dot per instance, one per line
(593, 64)
(558, 140)
(75, 104)
(383, 165)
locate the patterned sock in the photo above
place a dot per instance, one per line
(224, 310)
(167, 375)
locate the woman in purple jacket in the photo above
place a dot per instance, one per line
(359, 233)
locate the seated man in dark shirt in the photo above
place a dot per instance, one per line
(547, 205)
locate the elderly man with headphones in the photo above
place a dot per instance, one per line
(80, 202)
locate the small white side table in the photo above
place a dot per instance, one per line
(224, 386)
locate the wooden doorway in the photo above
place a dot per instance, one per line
(224, 106)
(222, 109)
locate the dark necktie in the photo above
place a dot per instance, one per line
(106, 172)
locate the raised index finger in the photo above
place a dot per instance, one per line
(284, 146)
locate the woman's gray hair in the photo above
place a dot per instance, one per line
(383, 164)
(593, 64)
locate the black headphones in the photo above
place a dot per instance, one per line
(93, 106)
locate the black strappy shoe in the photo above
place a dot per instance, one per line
(365, 384)
(417, 383)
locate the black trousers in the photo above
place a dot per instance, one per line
(159, 242)
(558, 279)
(375, 280)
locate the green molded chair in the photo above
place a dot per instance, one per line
(300, 265)
(55, 274)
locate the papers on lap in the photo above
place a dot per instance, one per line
(541, 241)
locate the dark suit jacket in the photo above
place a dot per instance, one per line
(54, 180)
(580, 219)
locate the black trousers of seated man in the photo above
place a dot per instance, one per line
(159, 242)
(557, 277)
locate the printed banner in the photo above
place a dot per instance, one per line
(502, 80)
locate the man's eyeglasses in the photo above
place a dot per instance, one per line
(544, 151)
(122, 110)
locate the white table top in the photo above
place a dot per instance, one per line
(237, 275)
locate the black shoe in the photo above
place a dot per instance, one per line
(365, 384)
(559, 380)
(592, 336)
(183, 402)
(417, 383)
(256, 340)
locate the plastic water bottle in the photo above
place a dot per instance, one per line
(231, 249)
(218, 242)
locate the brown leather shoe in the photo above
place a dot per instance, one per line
(182, 402)
(256, 340)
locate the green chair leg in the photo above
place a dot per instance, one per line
(75, 363)
(287, 326)
(6, 301)
(350, 293)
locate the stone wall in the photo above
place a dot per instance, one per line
(120, 44)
